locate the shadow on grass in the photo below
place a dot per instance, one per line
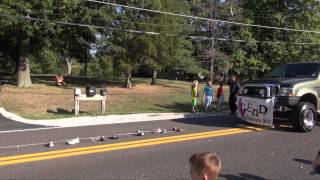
(176, 107)
(61, 111)
(99, 82)
(67, 113)
(241, 176)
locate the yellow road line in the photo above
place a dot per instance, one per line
(119, 146)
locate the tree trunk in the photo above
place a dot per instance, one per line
(128, 80)
(68, 61)
(16, 57)
(24, 79)
(154, 77)
(69, 65)
(86, 67)
(211, 70)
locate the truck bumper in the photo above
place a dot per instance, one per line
(287, 101)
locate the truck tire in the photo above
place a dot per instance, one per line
(304, 117)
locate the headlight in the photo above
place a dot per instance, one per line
(286, 91)
(240, 90)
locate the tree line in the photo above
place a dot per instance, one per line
(87, 38)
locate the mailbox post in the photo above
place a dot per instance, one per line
(83, 97)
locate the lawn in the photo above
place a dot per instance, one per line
(46, 101)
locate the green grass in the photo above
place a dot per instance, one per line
(45, 101)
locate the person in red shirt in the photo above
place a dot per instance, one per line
(220, 97)
(59, 80)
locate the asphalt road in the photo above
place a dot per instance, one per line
(267, 154)
(9, 125)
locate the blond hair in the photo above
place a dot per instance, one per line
(206, 163)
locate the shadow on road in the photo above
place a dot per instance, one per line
(227, 121)
(8, 125)
(241, 176)
(304, 161)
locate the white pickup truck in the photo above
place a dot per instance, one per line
(289, 93)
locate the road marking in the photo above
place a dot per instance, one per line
(33, 129)
(120, 146)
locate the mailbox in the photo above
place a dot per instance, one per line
(103, 92)
(77, 92)
(90, 91)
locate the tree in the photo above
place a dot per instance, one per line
(16, 19)
(164, 51)
(260, 57)
(33, 35)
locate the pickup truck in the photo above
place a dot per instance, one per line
(289, 93)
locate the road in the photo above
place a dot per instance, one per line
(246, 152)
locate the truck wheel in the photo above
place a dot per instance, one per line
(304, 117)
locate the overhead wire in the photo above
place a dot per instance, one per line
(203, 18)
(148, 32)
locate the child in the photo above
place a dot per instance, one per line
(205, 166)
(220, 97)
(194, 95)
(207, 96)
(59, 80)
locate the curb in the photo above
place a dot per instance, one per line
(104, 120)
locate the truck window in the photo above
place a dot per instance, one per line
(296, 70)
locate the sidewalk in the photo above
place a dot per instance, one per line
(111, 119)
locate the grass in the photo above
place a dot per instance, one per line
(45, 101)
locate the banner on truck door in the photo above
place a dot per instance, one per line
(256, 111)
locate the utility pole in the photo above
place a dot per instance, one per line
(212, 35)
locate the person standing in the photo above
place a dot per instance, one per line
(220, 97)
(208, 96)
(59, 80)
(194, 96)
(234, 88)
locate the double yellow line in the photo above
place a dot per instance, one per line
(119, 146)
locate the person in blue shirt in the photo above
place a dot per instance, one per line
(208, 96)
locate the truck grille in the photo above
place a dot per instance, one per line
(259, 91)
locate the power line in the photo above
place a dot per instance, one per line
(147, 32)
(202, 18)
(129, 22)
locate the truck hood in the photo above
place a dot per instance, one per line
(283, 81)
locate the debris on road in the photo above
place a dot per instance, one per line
(50, 144)
(73, 141)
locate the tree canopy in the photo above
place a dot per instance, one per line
(51, 36)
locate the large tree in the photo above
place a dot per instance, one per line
(165, 51)
(29, 34)
(259, 56)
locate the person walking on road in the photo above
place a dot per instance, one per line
(234, 88)
(208, 96)
(194, 96)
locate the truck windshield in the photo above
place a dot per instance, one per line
(296, 70)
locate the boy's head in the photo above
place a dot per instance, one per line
(195, 83)
(209, 84)
(205, 166)
(221, 84)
